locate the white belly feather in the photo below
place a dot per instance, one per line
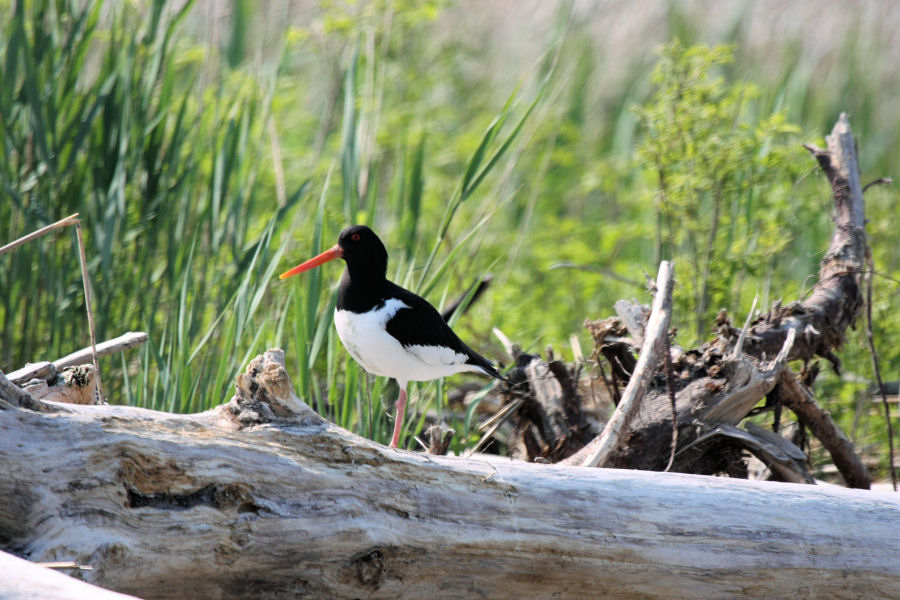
(378, 352)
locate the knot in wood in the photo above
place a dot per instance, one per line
(370, 569)
(264, 393)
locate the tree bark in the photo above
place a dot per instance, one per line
(261, 498)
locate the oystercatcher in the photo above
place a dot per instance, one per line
(388, 330)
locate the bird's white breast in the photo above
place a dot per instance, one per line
(378, 352)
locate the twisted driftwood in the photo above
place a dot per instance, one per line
(718, 384)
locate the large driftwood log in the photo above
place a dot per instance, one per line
(261, 498)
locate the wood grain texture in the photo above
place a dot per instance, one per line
(822, 320)
(260, 498)
(49, 370)
(717, 384)
(123, 342)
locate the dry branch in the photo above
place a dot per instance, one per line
(801, 400)
(119, 344)
(261, 498)
(40, 370)
(822, 319)
(82, 261)
(598, 452)
(49, 370)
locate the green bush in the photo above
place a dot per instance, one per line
(724, 177)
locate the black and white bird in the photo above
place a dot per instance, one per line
(388, 330)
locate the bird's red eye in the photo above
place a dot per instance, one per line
(355, 237)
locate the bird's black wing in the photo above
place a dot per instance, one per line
(422, 325)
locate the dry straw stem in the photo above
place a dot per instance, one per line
(70, 220)
(76, 221)
(87, 302)
(877, 368)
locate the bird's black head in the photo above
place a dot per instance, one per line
(362, 250)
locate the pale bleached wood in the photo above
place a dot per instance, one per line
(23, 580)
(123, 342)
(634, 316)
(40, 370)
(45, 370)
(600, 449)
(75, 385)
(261, 498)
(12, 395)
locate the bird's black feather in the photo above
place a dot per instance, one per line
(421, 324)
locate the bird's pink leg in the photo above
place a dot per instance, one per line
(398, 422)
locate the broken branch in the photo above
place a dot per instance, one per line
(599, 450)
(800, 399)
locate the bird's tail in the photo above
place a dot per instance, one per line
(492, 371)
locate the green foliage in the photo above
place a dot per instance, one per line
(721, 179)
(99, 117)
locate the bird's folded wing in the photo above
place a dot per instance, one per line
(424, 333)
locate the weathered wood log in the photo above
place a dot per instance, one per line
(261, 498)
(598, 452)
(801, 400)
(39, 370)
(123, 342)
(834, 305)
(16, 396)
(545, 410)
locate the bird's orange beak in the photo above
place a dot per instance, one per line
(330, 254)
